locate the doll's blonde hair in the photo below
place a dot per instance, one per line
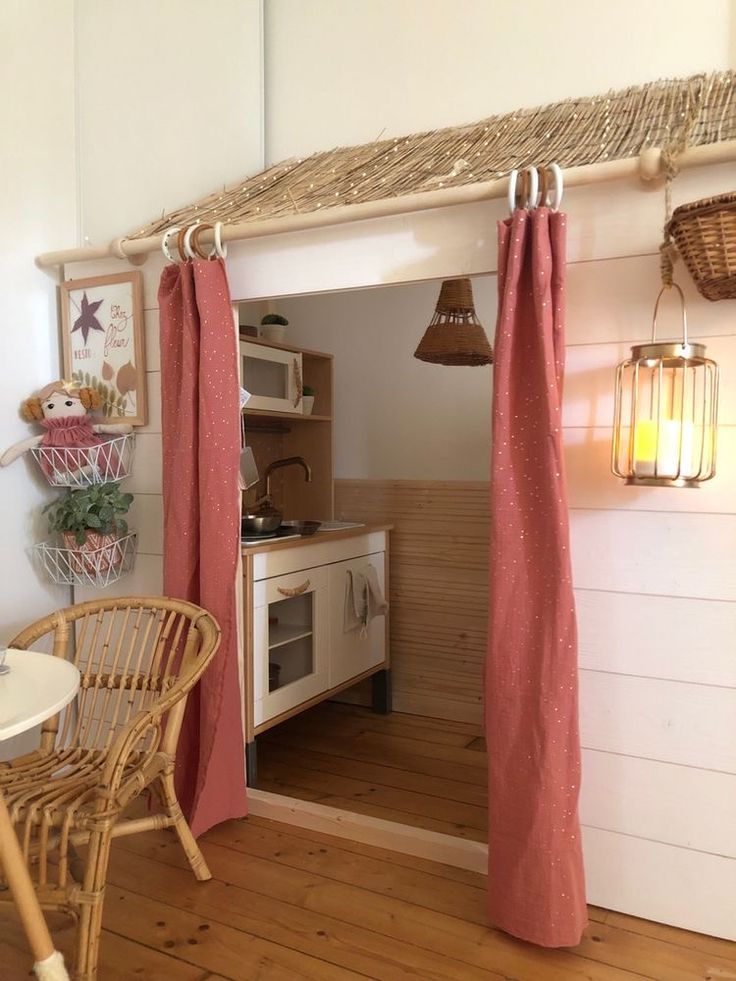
(32, 411)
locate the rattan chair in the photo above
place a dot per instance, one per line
(138, 658)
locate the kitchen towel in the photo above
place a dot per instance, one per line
(364, 599)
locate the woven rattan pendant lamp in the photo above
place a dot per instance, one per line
(455, 335)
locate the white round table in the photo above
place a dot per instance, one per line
(36, 687)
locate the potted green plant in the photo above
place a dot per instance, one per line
(90, 524)
(307, 400)
(273, 327)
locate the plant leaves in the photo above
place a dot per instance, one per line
(97, 507)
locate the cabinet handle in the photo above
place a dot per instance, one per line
(296, 591)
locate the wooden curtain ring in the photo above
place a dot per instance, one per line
(194, 241)
(543, 186)
(532, 188)
(180, 244)
(522, 189)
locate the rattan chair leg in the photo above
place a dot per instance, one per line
(91, 901)
(187, 839)
(16, 873)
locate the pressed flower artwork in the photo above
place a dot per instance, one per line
(102, 341)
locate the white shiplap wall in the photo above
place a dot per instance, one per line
(654, 569)
(145, 481)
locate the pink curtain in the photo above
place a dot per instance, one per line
(201, 446)
(536, 882)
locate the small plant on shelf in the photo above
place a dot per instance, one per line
(308, 394)
(273, 327)
(91, 525)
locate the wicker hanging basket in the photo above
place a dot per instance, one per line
(455, 336)
(705, 235)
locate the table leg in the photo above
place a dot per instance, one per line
(49, 963)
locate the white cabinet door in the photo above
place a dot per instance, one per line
(290, 641)
(351, 653)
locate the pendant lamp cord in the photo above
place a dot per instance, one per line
(671, 168)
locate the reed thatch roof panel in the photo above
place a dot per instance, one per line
(670, 114)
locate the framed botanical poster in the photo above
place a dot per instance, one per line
(102, 342)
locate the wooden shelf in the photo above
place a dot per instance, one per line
(291, 416)
(284, 347)
(286, 633)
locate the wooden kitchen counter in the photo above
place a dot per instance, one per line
(319, 537)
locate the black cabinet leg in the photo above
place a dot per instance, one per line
(251, 764)
(381, 692)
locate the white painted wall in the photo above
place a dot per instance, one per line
(117, 110)
(169, 106)
(341, 72)
(112, 111)
(37, 201)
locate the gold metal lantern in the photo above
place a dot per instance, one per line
(666, 407)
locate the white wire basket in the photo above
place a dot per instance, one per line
(80, 466)
(101, 561)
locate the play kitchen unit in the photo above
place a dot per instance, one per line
(315, 618)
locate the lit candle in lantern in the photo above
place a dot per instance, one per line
(667, 444)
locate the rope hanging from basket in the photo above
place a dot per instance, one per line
(671, 168)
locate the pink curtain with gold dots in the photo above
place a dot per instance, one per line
(200, 425)
(535, 869)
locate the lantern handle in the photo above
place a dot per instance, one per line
(669, 286)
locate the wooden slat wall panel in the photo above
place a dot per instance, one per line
(589, 376)
(611, 301)
(591, 484)
(661, 882)
(439, 587)
(626, 633)
(659, 801)
(688, 555)
(671, 721)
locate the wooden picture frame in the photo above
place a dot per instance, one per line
(103, 345)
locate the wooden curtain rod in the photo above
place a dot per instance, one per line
(647, 166)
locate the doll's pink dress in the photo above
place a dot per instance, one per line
(72, 433)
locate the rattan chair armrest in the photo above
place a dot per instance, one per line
(128, 739)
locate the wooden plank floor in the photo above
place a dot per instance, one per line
(429, 773)
(286, 903)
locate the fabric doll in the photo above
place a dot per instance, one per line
(62, 410)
